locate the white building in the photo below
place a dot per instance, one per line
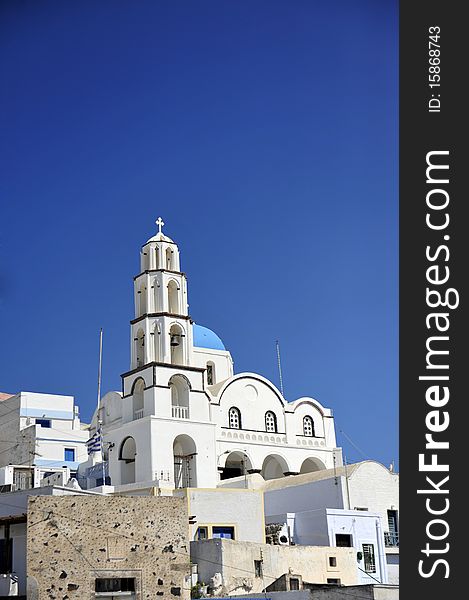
(367, 496)
(362, 530)
(40, 435)
(183, 419)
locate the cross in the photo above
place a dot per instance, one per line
(160, 224)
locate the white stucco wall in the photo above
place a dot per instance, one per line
(241, 509)
(235, 561)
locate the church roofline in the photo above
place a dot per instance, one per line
(326, 412)
(249, 375)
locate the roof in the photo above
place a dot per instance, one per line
(206, 338)
(5, 396)
(292, 480)
(160, 237)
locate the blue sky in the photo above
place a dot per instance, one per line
(264, 132)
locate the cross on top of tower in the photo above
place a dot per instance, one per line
(160, 224)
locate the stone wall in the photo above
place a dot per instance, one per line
(73, 540)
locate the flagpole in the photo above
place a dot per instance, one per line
(100, 367)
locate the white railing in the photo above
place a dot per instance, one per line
(180, 412)
(138, 414)
(162, 475)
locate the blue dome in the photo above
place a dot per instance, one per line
(206, 338)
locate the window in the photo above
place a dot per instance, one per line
(44, 423)
(391, 537)
(332, 561)
(294, 584)
(369, 558)
(6, 554)
(114, 584)
(223, 532)
(210, 374)
(202, 533)
(343, 540)
(258, 568)
(270, 422)
(334, 581)
(234, 417)
(308, 426)
(69, 454)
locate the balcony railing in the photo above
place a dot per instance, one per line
(138, 414)
(180, 412)
(391, 539)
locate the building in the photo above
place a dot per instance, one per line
(361, 530)
(230, 514)
(367, 496)
(13, 519)
(232, 568)
(107, 547)
(183, 418)
(40, 434)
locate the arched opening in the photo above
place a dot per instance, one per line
(140, 348)
(137, 398)
(234, 418)
(270, 422)
(308, 426)
(177, 344)
(157, 257)
(185, 464)
(310, 465)
(157, 342)
(169, 259)
(210, 373)
(274, 467)
(237, 464)
(179, 387)
(127, 454)
(173, 298)
(142, 293)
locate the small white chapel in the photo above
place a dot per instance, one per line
(183, 418)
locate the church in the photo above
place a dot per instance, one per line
(183, 418)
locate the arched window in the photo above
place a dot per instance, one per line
(308, 426)
(127, 454)
(177, 344)
(157, 257)
(169, 259)
(270, 422)
(234, 418)
(143, 299)
(138, 395)
(173, 300)
(140, 348)
(179, 387)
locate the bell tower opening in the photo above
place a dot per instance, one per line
(177, 344)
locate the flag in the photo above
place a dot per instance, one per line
(94, 443)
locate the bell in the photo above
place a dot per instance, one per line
(175, 340)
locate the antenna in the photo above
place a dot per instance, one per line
(279, 367)
(99, 367)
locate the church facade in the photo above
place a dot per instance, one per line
(183, 418)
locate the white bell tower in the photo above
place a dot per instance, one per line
(161, 331)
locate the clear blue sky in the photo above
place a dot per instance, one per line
(265, 134)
